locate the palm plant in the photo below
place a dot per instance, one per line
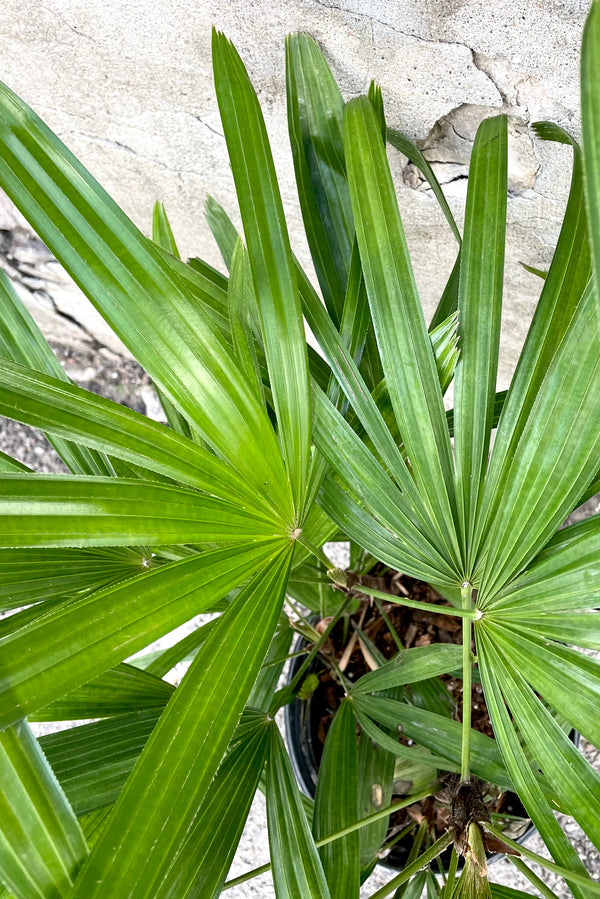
(273, 450)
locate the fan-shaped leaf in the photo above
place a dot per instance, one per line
(538, 807)
(297, 868)
(315, 117)
(59, 511)
(116, 692)
(40, 575)
(404, 345)
(271, 260)
(200, 866)
(186, 748)
(60, 408)
(142, 292)
(41, 844)
(93, 761)
(479, 312)
(336, 805)
(80, 638)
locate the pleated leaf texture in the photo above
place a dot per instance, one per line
(273, 449)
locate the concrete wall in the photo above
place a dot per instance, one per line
(128, 86)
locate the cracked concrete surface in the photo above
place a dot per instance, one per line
(448, 148)
(128, 86)
(55, 302)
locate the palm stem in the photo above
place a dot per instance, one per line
(283, 695)
(358, 825)
(428, 856)
(315, 551)
(570, 876)
(466, 592)
(464, 613)
(449, 887)
(540, 886)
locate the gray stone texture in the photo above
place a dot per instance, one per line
(128, 86)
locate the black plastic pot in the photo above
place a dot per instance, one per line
(305, 749)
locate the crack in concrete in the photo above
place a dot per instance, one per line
(107, 141)
(66, 316)
(443, 161)
(479, 64)
(455, 129)
(519, 91)
(206, 125)
(63, 21)
(24, 274)
(475, 56)
(152, 159)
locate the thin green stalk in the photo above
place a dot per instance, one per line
(466, 592)
(439, 876)
(389, 625)
(389, 844)
(572, 876)
(449, 887)
(468, 613)
(358, 825)
(420, 863)
(312, 579)
(283, 659)
(314, 551)
(540, 886)
(418, 842)
(301, 617)
(282, 696)
(376, 816)
(249, 875)
(413, 854)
